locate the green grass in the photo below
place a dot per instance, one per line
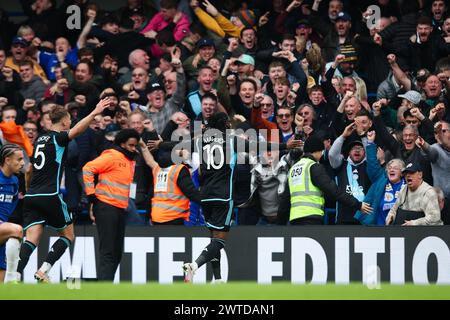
(229, 291)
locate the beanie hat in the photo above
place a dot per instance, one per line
(313, 144)
(248, 18)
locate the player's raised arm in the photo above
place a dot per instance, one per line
(84, 123)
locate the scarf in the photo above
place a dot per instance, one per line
(391, 194)
(352, 177)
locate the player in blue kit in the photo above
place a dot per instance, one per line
(11, 162)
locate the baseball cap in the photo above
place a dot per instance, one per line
(355, 143)
(20, 40)
(422, 75)
(205, 43)
(154, 86)
(412, 96)
(412, 167)
(138, 11)
(245, 59)
(343, 16)
(303, 23)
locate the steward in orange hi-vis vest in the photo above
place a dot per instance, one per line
(169, 202)
(115, 174)
(173, 189)
(110, 198)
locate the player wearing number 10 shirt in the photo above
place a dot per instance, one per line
(43, 203)
(219, 157)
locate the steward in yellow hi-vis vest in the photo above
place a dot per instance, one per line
(303, 200)
(306, 198)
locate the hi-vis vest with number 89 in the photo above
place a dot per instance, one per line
(306, 198)
(169, 202)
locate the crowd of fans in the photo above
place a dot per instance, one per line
(377, 95)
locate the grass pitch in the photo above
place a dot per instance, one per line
(229, 291)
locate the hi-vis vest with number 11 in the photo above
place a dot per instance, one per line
(306, 198)
(169, 202)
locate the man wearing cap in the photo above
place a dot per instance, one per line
(303, 199)
(321, 24)
(19, 49)
(417, 204)
(206, 49)
(351, 173)
(337, 36)
(246, 66)
(411, 99)
(305, 33)
(139, 18)
(160, 110)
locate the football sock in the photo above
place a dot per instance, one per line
(215, 263)
(211, 251)
(57, 250)
(26, 249)
(12, 254)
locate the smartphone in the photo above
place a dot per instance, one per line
(149, 136)
(299, 135)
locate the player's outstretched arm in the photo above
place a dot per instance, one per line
(84, 123)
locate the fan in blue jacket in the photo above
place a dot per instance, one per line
(386, 184)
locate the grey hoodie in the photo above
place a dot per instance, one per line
(34, 89)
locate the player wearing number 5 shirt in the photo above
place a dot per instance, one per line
(43, 203)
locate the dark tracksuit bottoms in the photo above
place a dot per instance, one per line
(110, 223)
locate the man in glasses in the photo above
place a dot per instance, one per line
(351, 173)
(284, 121)
(414, 117)
(31, 131)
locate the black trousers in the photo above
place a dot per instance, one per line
(176, 222)
(307, 221)
(110, 223)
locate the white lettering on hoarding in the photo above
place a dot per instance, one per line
(342, 261)
(369, 248)
(306, 246)
(139, 247)
(426, 247)
(267, 268)
(397, 261)
(84, 259)
(167, 267)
